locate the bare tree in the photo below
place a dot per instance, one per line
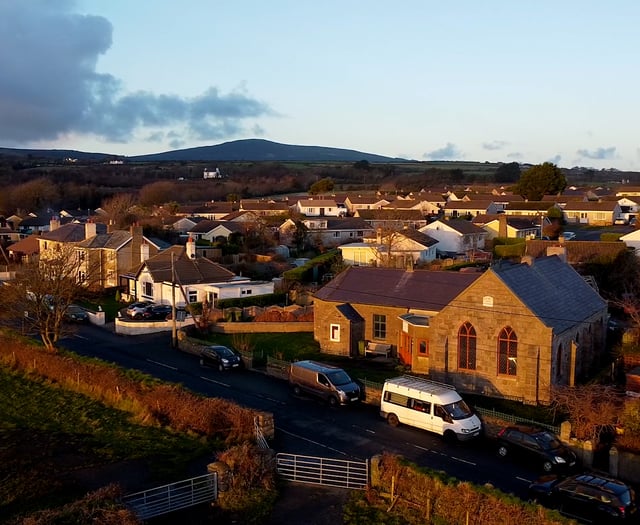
(38, 298)
(591, 409)
(119, 209)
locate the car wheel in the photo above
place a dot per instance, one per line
(137, 316)
(393, 420)
(333, 401)
(547, 466)
(503, 451)
(450, 436)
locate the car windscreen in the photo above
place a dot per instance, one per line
(339, 377)
(458, 410)
(223, 351)
(548, 441)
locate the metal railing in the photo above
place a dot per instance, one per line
(260, 439)
(515, 419)
(175, 496)
(323, 471)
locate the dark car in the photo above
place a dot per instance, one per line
(539, 448)
(157, 312)
(587, 497)
(76, 314)
(136, 310)
(221, 357)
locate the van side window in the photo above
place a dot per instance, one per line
(438, 411)
(421, 406)
(323, 380)
(397, 399)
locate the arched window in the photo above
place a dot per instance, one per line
(467, 347)
(507, 352)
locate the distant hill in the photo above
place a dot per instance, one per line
(248, 150)
(258, 150)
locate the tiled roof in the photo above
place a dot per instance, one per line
(27, 246)
(187, 271)
(419, 289)
(552, 290)
(468, 205)
(418, 236)
(347, 223)
(71, 232)
(390, 215)
(591, 206)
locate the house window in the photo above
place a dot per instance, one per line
(423, 348)
(507, 352)
(82, 277)
(336, 234)
(360, 233)
(379, 326)
(334, 333)
(81, 256)
(193, 296)
(467, 347)
(245, 292)
(147, 289)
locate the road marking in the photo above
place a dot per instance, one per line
(216, 382)
(161, 364)
(273, 400)
(357, 427)
(422, 448)
(524, 479)
(81, 337)
(314, 442)
(463, 461)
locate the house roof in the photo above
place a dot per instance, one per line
(530, 205)
(386, 214)
(552, 290)
(591, 206)
(418, 289)
(578, 251)
(462, 226)
(468, 205)
(345, 223)
(349, 312)
(317, 203)
(418, 236)
(111, 241)
(187, 271)
(71, 232)
(26, 246)
(516, 222)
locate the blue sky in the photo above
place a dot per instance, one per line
(499, 80)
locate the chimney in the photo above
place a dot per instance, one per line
(54, 223)
(89, 229)
(136, 244)
(502, 225)
(191, 248)
(111, 226)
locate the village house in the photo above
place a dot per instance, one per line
(364, 202)
(320, 207)
(513, 331)
(470, 208)
(593, 213)
(506, 226)
(455, 236)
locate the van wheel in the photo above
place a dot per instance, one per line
(333, 401)
(502, 451)
(393, 420)
(450, 436)
(547, 466)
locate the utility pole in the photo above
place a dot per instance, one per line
(174, 330)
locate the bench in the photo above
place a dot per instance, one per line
(377, 349)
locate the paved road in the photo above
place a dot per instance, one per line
(305, 425)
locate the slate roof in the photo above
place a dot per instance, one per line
(349, 313)
(418, 237)
(188, 271)
(71, 232)
(395, 287)
(552, 290)
(346, 223)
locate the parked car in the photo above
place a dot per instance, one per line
(537, 447)
(76, 314)
(590, 497)
(221, 357)
(157, 312)
(136, 310)
(568, 236)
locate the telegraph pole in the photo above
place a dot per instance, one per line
(174, 330)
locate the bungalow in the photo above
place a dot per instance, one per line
(463, 208)
(455, 236)
(317, 207)
(600, 213)
(367, 202)
(392, 218)
(502, 225)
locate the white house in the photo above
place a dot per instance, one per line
(317, 207)
(632, 240)
(456, 236)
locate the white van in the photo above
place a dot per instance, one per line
(429, 405)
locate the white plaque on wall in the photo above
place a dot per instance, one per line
(487, 300)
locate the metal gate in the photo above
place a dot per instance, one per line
(323, 471)
(175, 496)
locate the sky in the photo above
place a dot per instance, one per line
(526, 81)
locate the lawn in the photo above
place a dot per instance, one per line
(52, 441)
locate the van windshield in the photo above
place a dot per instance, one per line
(458, 410)
(339, 377)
